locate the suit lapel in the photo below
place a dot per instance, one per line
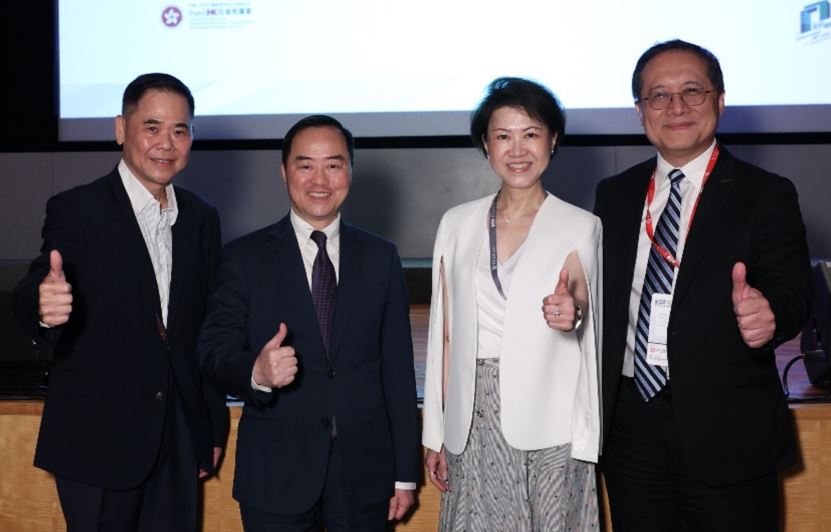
(133, 247)
(289, 270)
(290, 279)
(631, 204)
(351, 264)
(707, 220)
(183, 244)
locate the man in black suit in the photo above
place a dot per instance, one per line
(119, 292)
(310, 325)
(695, 419)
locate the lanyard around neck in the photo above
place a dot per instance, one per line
(492, 242)
(650, 193)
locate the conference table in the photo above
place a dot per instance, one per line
(28, 500)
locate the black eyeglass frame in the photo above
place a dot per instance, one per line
(649, 99)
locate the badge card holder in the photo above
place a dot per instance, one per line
(656, 349)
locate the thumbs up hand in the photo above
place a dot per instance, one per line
(276, 365)
(54, 293)
(756, 320)
(558, 308)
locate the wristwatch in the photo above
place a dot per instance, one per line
(578, 316)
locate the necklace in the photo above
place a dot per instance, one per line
(509, 219)
(492, 239)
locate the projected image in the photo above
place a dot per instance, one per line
(415, 68)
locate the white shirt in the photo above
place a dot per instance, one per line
(156, 226)
(690, 189)
(308, 249)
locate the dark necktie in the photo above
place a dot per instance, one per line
(659, 276)
(324, 285)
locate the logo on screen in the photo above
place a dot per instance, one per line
(812, 17)
(172, 16)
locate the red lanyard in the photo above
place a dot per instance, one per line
(650, 193)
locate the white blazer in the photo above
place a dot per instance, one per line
(549, 381)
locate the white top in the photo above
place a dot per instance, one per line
(156, 226)
(489, 304)
(690, 188)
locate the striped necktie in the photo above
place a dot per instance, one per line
(659, 275)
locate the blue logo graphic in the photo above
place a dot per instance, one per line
(818, 10)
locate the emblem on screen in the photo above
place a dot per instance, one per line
(172, 16)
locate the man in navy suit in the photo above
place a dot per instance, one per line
(706, 272)
(119, 292)
(310, 325)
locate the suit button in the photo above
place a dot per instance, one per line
(325, 421)
(331, 373)
(159, 396)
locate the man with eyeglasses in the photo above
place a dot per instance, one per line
(706, 272)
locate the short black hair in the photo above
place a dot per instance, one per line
(536, 100)
(710, 60)
(154, 81)
(318, 121)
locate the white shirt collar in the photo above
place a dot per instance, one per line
(693, 170)
(303, 229)
(140, 197)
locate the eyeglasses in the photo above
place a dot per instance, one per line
(660, 100)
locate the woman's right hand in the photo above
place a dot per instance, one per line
(436, 464)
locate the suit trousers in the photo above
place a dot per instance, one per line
(335, 511)
(164, 502)
(651, 489)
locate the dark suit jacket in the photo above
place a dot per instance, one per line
(368, 381)
(731, 413)
(113, 372)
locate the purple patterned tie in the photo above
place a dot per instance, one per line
(324, 285)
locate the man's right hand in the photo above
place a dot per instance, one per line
(55, 294)
(276, 365)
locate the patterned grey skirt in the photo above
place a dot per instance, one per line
(494, 487)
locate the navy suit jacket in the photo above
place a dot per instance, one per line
(367, 382)
(113, 372)
(731, 414)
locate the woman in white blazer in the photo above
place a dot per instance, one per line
(511, 399)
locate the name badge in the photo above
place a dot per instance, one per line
(656, 349)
